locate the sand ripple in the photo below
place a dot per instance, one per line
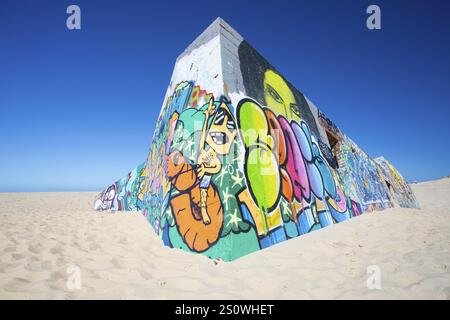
(43, 236)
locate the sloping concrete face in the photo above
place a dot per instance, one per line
(241, 160)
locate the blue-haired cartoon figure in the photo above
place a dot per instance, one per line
(214, 142)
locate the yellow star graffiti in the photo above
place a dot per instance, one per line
(234, 219)
(226, 196)
(237, 180)
(220, 176)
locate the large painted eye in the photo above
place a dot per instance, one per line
(273, 93)
(219, 117)
(295, 108)
(231, 125)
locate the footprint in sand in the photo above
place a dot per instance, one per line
(56, 250)
(144, 274)
(95, 246)
(17, 285)
(36, 248)
(118, 263)
(46, 265)
(61, 262)
(57, 276)
(17, 256)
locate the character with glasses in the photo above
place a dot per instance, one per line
(214, 141)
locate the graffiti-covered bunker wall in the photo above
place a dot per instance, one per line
(241, 160)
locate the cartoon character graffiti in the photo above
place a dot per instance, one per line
(197, 206)
(207, 187)
(185, 206)
(218, 138)
(106, 198)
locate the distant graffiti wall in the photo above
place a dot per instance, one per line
(401, 192)
(366, 180)
(226, 178)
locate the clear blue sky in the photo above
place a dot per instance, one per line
(78, 108)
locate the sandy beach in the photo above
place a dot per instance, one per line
(45, 236)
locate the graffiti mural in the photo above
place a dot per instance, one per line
(106, 198)
(360, 174)
(400, 190)
(220, 177)
(267, 86)
(225, 177)
(203, 167)
(125, 193)
(290, 182)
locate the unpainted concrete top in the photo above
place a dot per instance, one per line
(217, 27)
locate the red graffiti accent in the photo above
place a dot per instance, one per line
(277, 135)
(287, 191)
(355, 208)
(196, 95)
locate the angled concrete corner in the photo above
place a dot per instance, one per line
(241, 160)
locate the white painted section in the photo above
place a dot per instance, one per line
(201, 65)
(230, 40)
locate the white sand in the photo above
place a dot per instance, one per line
(42, 234)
